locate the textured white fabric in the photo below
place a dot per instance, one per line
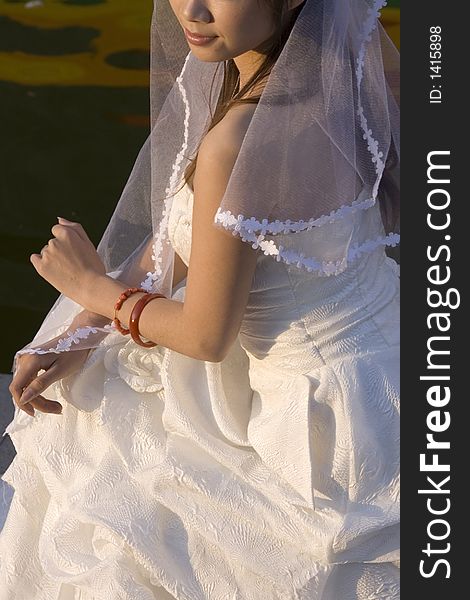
(168, 477)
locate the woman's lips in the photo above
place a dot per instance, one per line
(198, 40)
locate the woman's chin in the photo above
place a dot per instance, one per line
(206, 56)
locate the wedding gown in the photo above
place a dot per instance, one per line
(273, 475)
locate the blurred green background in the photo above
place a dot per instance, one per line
(74, 112)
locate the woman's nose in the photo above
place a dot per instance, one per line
(196, 10)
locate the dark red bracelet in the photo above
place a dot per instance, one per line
(135, 316)
(125, 294)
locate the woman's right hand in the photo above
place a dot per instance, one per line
(26, 381)
(27, 386)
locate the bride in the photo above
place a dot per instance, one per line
(211, 408)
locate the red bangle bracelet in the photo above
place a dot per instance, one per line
(125, 294)
(135, 316)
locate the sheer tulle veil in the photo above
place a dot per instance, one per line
(323, 143)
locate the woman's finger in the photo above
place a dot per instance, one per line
(46, 406)
(29, 377)
(29, 410)
(16, 396)
(26, 371)
(39, 384)
(75, 226)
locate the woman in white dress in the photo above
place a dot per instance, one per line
(250, 448)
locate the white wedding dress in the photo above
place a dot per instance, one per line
(273, 475)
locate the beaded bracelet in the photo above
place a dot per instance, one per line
(135, 316)
(119, 304)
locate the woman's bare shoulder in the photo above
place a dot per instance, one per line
(219, 151)
(229, 133)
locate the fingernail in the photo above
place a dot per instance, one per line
(27, 396)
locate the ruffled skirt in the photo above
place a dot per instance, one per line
(168, 477)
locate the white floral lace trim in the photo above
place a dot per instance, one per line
(73, 337)
(227, 219)
(269, 248)
(162, 234)
(372, 144)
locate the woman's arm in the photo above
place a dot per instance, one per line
(180, 271)
(221, 269)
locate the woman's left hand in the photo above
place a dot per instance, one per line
(69, 262)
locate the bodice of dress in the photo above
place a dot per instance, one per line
(290, 308)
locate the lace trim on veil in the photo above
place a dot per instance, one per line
(323, 268)
(73, 337)
(228, 220)
(162, 234)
